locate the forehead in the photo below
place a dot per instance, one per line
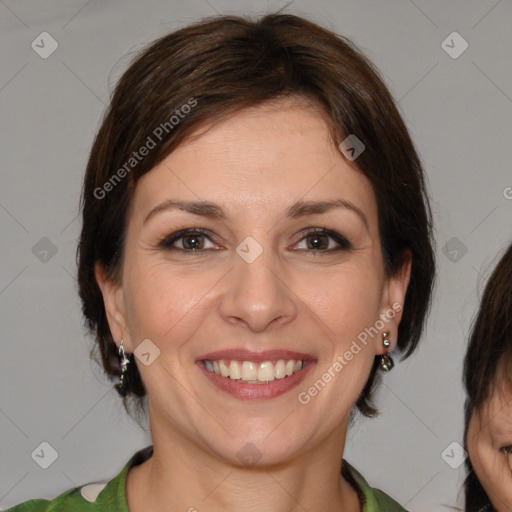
(261, 159)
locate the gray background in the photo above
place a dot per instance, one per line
(459, 113)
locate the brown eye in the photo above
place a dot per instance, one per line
(192, 241)
(318, 240)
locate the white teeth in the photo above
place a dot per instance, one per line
(254, 373)
(249, 371)
(266, 371)
(224, 370)
(280, 369)
(234, 371)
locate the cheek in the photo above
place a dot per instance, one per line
(158, 299)
(476, 449)
(347, 300)
(346, 307)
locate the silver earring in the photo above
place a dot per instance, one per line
(386, 362)
(125, 361)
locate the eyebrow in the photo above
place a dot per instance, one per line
(214, 211)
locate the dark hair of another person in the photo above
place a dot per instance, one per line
(226, 64)
(488, 360)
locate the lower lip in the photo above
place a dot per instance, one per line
(244, 391)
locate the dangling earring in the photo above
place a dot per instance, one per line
(386, 362)
(125, 361)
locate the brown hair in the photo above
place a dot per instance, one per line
(488, 360)
(220, 66)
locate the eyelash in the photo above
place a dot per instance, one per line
(166, 242)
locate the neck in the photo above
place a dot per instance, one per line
(183, 476)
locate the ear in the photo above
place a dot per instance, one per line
(114, 301)
(393, 298)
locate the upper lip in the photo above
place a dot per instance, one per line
(257, 357)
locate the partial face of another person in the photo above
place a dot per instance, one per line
(256, 280)
(489, 435)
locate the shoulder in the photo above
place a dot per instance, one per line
(374, 500)
(96, 496)
(73, 500)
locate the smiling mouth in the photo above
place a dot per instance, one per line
(249, 372)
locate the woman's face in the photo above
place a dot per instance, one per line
(489, 431)
(258, 283)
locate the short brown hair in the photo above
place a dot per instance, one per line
(225, 64)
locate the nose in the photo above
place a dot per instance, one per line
(256, 294)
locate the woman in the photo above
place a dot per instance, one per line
(488, 411)
(256, 240)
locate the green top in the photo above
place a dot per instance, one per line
(111, 495)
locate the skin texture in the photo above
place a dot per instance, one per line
(490, 429)
(255, 165)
